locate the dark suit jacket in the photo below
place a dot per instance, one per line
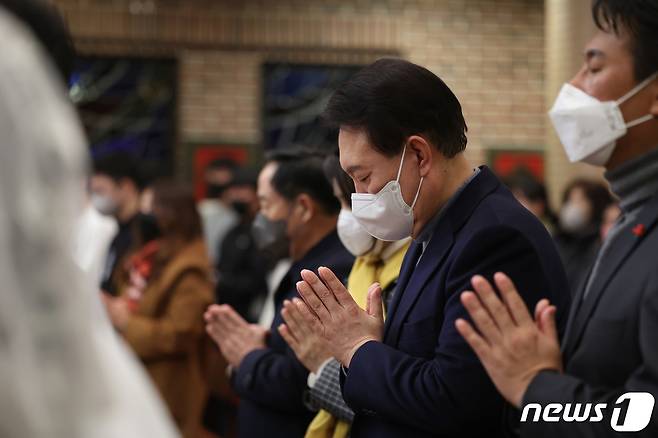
(271, 382)
(424, 380)
(611, 342)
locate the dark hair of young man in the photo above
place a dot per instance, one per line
(221, 164)
(393, 99)
(48, 26)
(300, 171)
(640, 20)
(118, 166)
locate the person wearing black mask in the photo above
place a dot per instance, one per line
(242, 269)
(216, 213)
(298, 215)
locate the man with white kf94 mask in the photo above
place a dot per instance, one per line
(402, 137)
(607, 116)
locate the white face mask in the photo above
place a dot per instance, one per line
(104, 204)
(385, 215)
(573, 218)
(354, 237)
(589, 128)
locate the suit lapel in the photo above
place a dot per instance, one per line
(435, 252)
(413, 277)
(575, 306)
(624, 244)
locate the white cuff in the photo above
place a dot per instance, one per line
(313, 377)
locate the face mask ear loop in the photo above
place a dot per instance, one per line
(636, 89)
(404, 150)
(413, 204)
(639, 121)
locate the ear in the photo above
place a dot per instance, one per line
(422, 151)
(308, 206)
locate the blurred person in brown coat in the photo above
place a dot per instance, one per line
(160, 309)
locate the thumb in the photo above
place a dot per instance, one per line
(374, 306)
(548, 322)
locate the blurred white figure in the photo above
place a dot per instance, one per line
(63, 373)
(92, 237)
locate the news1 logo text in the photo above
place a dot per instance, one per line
(630, 413)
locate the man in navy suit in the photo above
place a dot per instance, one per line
(298, 213)
(402, 138)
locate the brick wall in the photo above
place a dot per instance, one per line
(491, 53)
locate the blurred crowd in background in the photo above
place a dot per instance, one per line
(153, 226)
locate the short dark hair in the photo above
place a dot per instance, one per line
(245, 177)
(120, 165)
(46, 23)
(526, 182)
(640, 19)
(300, 172)
(393, 99)
(222, 163)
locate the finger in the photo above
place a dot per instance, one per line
(230, 345)
(341, 294)
(539, 308)
(472, 338)
(212, 311)
(223, 324)
(217, 327)
(232, 316)
(290, 317)
(311, 299)
(321, 290)
(548, 326)
(310, 319)
(372, 286)
(499, 313)
(481, 317)
(514, 302)
(208, 316)
(288, 337)
(214, 333)
(375, 306)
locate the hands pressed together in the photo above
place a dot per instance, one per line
(235, 337)
(512, 347)
(326, 322)
(328, 311)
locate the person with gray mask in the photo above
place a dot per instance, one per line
(298, 216)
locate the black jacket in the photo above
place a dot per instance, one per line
(611, 342)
